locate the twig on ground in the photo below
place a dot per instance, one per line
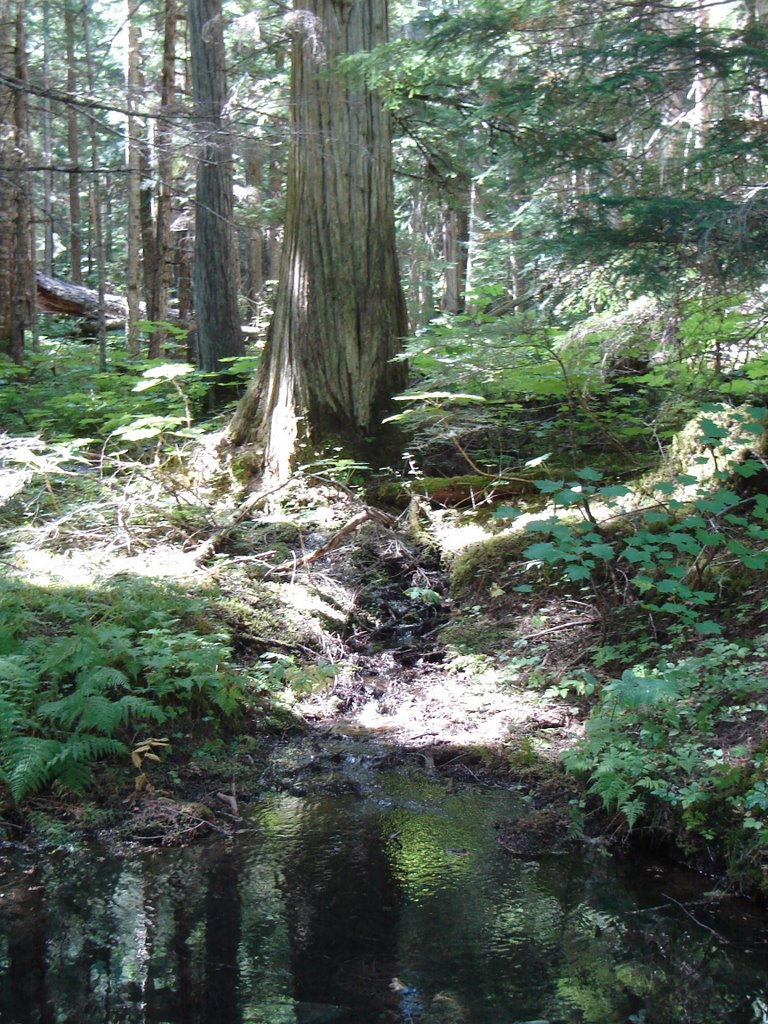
(373, 514)
(563, 625)
(208, 547)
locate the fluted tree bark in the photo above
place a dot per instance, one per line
(327, 372)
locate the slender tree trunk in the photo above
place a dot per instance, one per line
(147, 219)
(73, 150)
(276, 176)
(455, 236)
(133, 166)
(253, 166)
(161, 270)
(216, 274)
(421, 294)
(275, 231)
(23, 247)
(96, 207)
(16, 273)
(47, 147)
(328, 372)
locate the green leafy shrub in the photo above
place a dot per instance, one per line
(660, 545)
(674, 743)
(60, 395)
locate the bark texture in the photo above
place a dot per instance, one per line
(133, 180)
(15, 212)
(158, 286)
(73, 150)
(339, 311)
(215, 270)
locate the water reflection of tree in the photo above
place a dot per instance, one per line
(342, 907)
(26, 959)
(221, 999)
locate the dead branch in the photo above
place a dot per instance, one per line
(208, 547)
(368, 514)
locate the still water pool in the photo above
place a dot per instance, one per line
(394, 907)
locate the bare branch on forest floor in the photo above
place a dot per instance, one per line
(368, 514)
(208, 547)
(563, 625)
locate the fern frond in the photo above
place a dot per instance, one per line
(28, 763)
(12, 717)
(67, 712)
(72, 767)
(141, 708)
(93, 712)
(102, 677)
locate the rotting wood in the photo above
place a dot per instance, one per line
(57, 296)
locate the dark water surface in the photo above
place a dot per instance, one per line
(389, 908)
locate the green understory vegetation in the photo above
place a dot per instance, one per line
(632, 503)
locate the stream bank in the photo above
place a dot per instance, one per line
(382, 834)
(343, 623)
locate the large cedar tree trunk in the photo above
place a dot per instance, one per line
(339, 312)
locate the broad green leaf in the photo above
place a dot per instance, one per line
(601, 550)
(544, 552)
(506, 512)
(577, 572)
(569, 497)
(708, 628)
(589, 474)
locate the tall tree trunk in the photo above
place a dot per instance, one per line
(25, 247)
(161, 270)
(253, 166)
(16, 275)
(327, 372)
(133, 185)
(73, 151)
(47, 147)
(421, 294)
(275, 231)
(96, 206)
(147, 218)
(216, 274)
(455, 237)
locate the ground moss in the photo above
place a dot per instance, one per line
(484, 563)
(452, 491)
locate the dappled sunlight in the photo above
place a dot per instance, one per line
(79, 567)
(476, 707)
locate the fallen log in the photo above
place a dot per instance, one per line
(56, 296)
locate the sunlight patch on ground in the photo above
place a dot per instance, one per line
(88, 568)
(305, 599)
(446, 707)
(453, 535)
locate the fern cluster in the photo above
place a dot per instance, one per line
(83, 671)
(659, 745)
